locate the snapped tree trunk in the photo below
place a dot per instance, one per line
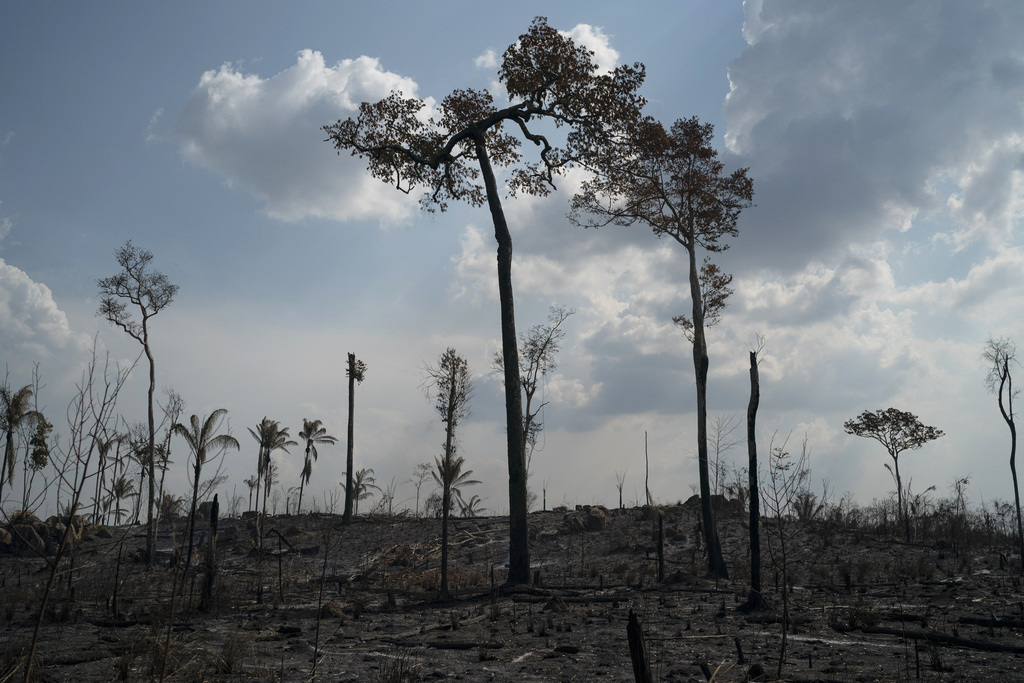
(206, 599)
(754, 601)
(518, 544)
(349, 493)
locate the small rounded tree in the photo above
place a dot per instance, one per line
(898, 431)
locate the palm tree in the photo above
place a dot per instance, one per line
(362, 482)
(452, 477)
(122, 487)
(201, 438)
(252, 482)
(472, 507)
(13, 411)
(313, 432)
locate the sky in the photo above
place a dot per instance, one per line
(885, 141)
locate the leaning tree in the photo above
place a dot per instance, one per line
(898, 431)
(453, 153)
(1000, 356)
(673, 182)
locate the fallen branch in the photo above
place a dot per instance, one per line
(934, 637)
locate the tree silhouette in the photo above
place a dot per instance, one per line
(356, 372)
(673, 182)
(201, 437)
(538, 350)
(898, 431)
(362, 481)
(14, 409)
(312, 433)
(1001, 357)
(452, 156)
(451, 385)
(150, 291)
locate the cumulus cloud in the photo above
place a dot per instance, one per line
(855, 121)
(263, 135)
(598, 42)
(32, 326)
(488, 60)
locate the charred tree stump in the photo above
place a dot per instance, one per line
(661, 548)
(638, 650)
(206, 598)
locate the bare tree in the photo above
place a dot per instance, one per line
(898, 431)
(547, 78)
(538, 350)
(673, 182)
(150, 291)
(450, 384)
(89, 416)
(420, 474)
(356, 372)
(1000, 356)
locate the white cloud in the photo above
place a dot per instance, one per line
(595, 40)
(263, 134)
(32, 326)
(488, 60)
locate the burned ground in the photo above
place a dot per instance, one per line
(865, 607)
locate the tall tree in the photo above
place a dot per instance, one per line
(356, 372)
(14, 409)
(452, 155)
(313, 432)
(898, 431)
(451, 385)
(151, 292)
(1000, 356)
(673, 182)
(202, 437)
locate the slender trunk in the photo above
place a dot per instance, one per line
(8, 454)
(192, 515)
(351, 429)
(518, 543)
(899, 500)
(150, 518)
(716, 563)
(446, 498)
(1007, 413)
(754, 601)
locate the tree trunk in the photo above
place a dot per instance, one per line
(899, 499)
(518, 543)
(638, 650)
(716, 563)
(192, 517)
(446, 496)
(754, 600)
(206, 599)
(151, 466)
(1008, 417)
(347, 519)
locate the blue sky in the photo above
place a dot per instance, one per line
(885, 142)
